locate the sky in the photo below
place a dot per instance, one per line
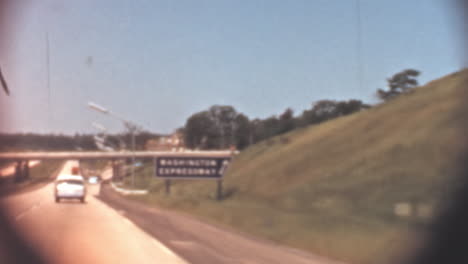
(156, 62)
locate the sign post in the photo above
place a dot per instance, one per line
(219, 193)
(170, 167)
(168, 186)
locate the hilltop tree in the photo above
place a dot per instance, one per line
(217, 128)
(270, 127)
(324, 110)
(286, 121)
(399, 83)
(321, 111)
(221, 126)
(351, 106)
(257, 129)
(242, 131)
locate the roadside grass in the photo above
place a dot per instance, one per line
(93, 165)
(45, 171)
(335, 188)
(42, 173)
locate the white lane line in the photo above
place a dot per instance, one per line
(121, 212)
(150, 237)
(36, 206)
(128, 222)
(22, 214)
(163, 247)
(155, 241)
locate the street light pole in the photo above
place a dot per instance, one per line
(132, 128)
(99, 127)
(129, 125)
(101, 140)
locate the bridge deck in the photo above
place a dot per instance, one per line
(84, 155)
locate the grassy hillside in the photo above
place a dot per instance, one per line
(355, 188)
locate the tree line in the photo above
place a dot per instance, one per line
(33, 141)
(222, 126)
(60, 142)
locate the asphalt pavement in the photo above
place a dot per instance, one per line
(128, 232)
(71, 232)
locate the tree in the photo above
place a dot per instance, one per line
(399, 83)
(324, 110)
(271, 127)
(224, 117)
(321, 111)
(286, 121)
(219, 127)
(200, 131)
(84, 142)
(351, 106)
(242, 131)
(257, 129)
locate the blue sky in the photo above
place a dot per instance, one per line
(156, 62)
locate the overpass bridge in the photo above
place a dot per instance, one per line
(22, 158)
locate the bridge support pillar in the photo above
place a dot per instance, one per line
(25, 170)
(19, 171)
(115, 170)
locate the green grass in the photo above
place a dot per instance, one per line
(93, 165)
(45, 171)
(332, 188)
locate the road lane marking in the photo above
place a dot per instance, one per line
(156, 242)
(150, 237)
(182, 243)
(163, 247)
(19, 216)
(121, 212)
(128, 222)
(22, 214)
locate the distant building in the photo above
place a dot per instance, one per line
(173, 142)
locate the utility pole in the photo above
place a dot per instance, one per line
(132, 127)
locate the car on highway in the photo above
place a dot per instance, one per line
(70, 187)
(94, 179)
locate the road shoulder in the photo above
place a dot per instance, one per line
(199, 242)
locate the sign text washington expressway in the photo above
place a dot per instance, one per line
(191, 167)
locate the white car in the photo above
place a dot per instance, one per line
(93, 179)
(70, 187)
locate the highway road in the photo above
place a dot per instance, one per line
(72, 232)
